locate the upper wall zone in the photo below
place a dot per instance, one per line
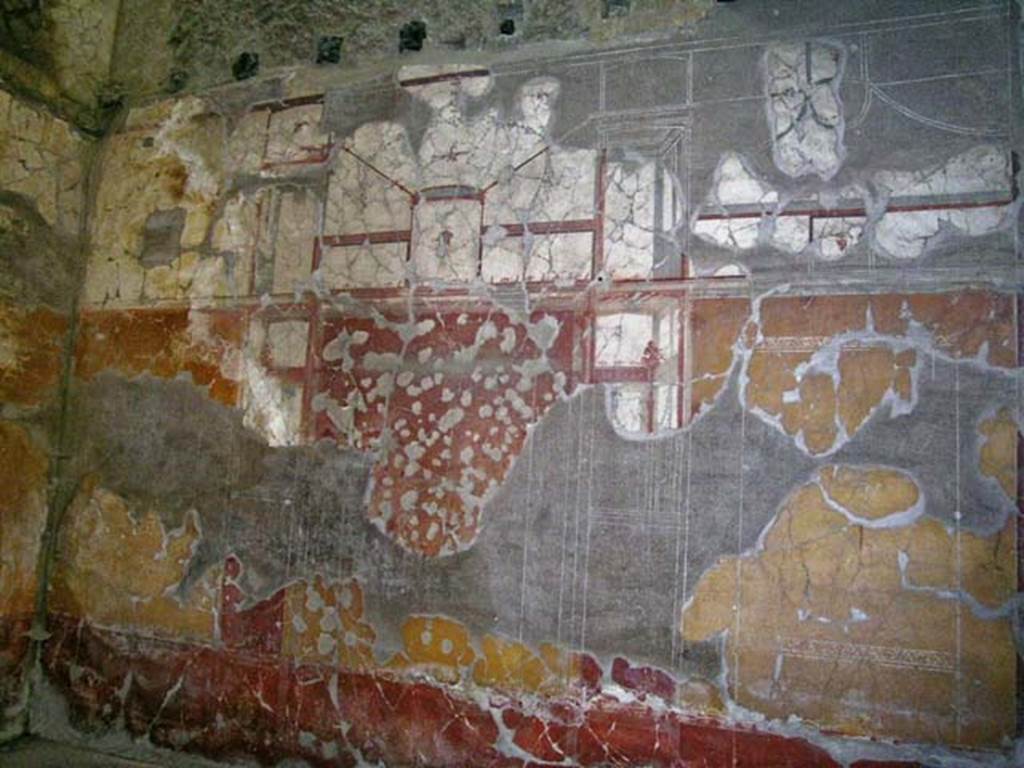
(879, 148)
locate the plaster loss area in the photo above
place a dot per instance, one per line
(650, 403)
(805, 113)
(847, 567)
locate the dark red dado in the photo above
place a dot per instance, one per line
(226, 704)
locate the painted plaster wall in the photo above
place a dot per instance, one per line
(41, 198)
(643, 406)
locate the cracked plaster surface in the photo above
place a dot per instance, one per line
(41, 199)
(821, 381)
(286, 222)
(906, 213)
(40, 159)
(805, 112)
(824, 589)
(983, 170)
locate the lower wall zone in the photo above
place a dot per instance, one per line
(690, 531)
(227, 705)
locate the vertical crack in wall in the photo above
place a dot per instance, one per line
(62, 486)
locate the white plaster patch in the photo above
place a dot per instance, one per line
(294, 135)
(983, 171)
(376, 265)
(835, 236)
(286, 343)
(292, 226)
(538, 258)
(629, 227)
(271, 406)
(734, 208)
(446, 240)
(803, 106)
(622, 338)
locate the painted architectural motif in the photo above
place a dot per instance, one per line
(516, 415)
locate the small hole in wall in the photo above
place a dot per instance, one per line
(328, 49)
(109, 98)
(411, 36)
(176, 81)
(246, 65)
(510, 14)
(615, 8)
(22, 18)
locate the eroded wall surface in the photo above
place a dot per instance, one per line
(59, 53)
(41, 198)
(645, 407)
(173, 45)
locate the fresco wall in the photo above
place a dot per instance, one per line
(652, 406)
(41, 199)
